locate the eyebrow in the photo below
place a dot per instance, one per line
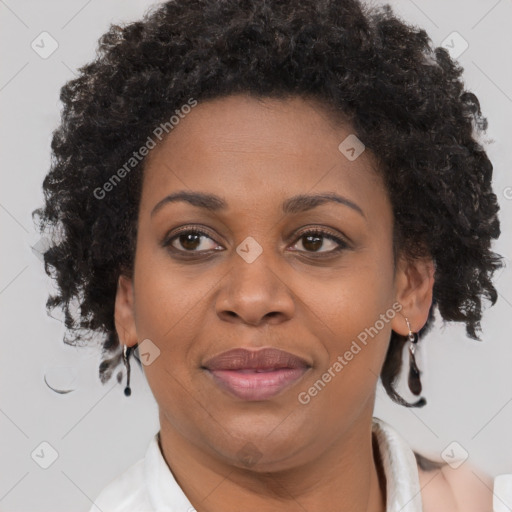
(295, 204)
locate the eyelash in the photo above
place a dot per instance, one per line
(343, 245)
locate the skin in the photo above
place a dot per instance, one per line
(464, 489)
(255, 154)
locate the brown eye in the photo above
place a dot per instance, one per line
(314, 241)
(190, 240)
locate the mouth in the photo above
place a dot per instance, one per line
(256, 375)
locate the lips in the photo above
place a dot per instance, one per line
(255, 375)
(263, 359)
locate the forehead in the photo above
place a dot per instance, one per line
(257, 151)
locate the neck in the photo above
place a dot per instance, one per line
(348, 475)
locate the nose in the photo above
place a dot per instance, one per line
(254, 292)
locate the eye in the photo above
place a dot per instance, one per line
(189, 240)
(194, 240)
(314, 240)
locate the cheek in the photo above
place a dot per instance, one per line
(166, 313)
(353, 298)
(167, 309)
(167, 297)
(356, 313)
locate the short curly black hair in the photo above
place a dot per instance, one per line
(404, 98)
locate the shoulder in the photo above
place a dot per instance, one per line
(444, 489)
(125, 493)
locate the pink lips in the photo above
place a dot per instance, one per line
(256, 375)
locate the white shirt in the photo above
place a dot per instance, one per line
(149, 485)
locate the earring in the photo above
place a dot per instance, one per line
(126, 354)
(414, 381)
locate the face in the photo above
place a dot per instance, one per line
(258, 267)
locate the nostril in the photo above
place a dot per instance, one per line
(230, 314)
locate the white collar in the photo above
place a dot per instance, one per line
(403, 492)
(400, 467)
(149, 484)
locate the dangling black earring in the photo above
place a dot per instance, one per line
(126, 354)
(414, 381)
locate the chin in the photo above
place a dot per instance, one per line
(262, 450)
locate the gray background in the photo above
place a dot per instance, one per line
(96, 431)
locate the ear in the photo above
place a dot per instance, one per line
(414, 283)
(124, 312)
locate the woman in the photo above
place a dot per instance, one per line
(268, 200)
